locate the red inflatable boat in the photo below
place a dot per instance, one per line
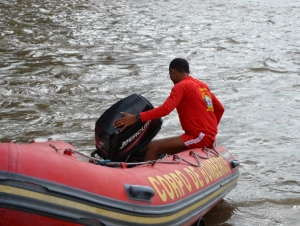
(50, 183)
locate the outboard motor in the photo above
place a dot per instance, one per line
(115, 145)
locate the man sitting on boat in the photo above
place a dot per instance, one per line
(198, 108)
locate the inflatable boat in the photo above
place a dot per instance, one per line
(52, 183)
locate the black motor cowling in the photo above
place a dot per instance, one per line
(115, 145)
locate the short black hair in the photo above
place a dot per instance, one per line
(180, 64)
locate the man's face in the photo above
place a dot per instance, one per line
(172, 73)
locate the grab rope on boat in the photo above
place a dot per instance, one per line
(176, 159)
(208, 151)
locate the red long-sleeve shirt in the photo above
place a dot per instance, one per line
(199, 110)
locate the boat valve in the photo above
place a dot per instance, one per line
(68, 151)
(235, 163)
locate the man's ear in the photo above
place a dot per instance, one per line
(170, 70)
(175, 71)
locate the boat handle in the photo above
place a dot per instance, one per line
(139, 192)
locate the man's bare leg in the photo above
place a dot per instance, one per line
(170, 145)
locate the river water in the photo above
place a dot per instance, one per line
(63, 63)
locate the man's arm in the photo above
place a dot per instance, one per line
(158, 112)
(218, 108)
(167, 107)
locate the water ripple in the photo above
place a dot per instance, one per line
(63, 63)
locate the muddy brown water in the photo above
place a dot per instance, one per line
(63, 63)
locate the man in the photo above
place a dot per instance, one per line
(199, 112)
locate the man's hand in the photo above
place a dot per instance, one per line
(125, 121)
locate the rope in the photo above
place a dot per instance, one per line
(87, 156)
(192, 164)
(176, 159)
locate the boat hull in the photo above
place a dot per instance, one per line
(47, 184)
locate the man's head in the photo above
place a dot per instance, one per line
(181, 65)
(178, 69)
